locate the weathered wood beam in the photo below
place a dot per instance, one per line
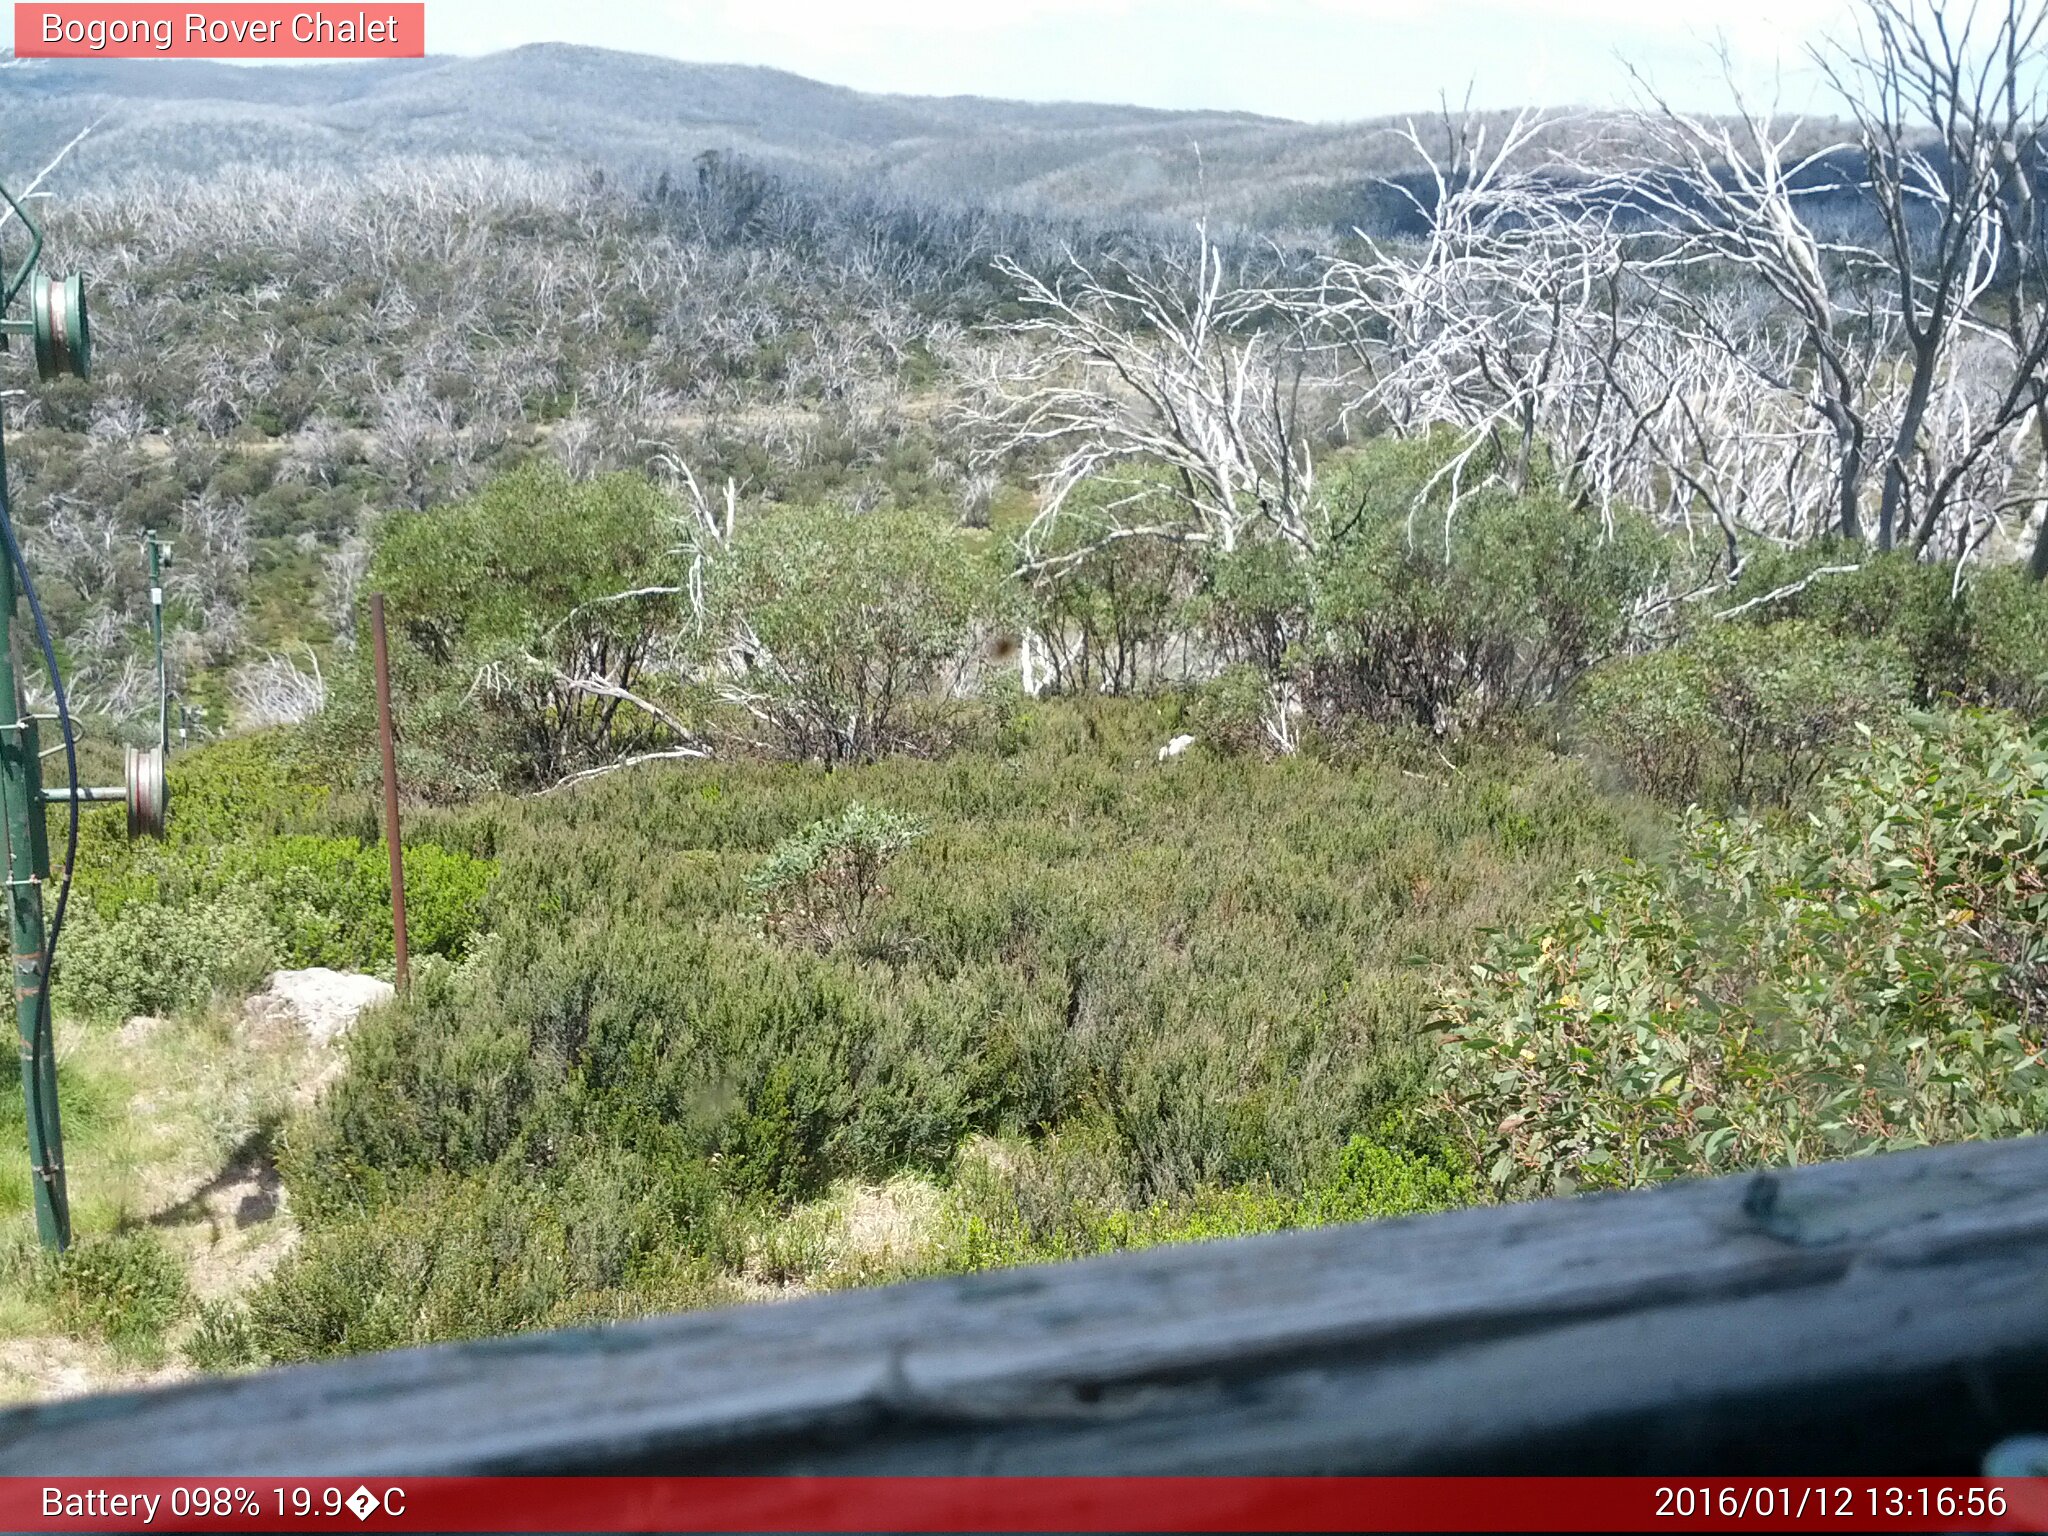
(1883, 1315)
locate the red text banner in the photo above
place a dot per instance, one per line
(1022, 1504)
(239, 31)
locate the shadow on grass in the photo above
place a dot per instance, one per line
(252, 1164)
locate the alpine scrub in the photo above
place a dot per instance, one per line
(1873, 975)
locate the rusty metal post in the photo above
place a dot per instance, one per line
(381, 659)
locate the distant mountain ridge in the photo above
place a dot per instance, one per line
(637, 113)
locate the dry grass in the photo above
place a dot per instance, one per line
(169, 1129)
(857, 1234)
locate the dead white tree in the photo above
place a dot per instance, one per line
(1732, 194)
(1949, 123)
(1943, 245)
(1525, 324)
(275, 690)
(1177, 367)
(30, 188)
(1487, 326)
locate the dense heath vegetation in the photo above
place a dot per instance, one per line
(936, 739)
(999, 983)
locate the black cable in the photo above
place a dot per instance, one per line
(42, 1043)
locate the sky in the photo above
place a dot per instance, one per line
(1319, 60)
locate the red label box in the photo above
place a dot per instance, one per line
(375, 30)
(1022, 1504)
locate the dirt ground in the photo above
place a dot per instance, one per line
(191, 1155)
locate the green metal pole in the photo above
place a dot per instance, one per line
(21, 805)
(58, 1191)
(156, 625)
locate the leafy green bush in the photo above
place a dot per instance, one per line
(1066, 1198)
(1216, 976)
(2007, 661)
(477, 1256)
(330, 897)
(819, 886)
(243, 885)
(1875, 977)
(1983, 640)
(1742, 713)
(1103, 612)
(221, 1338)
(1229, 712)
(238, 787)
(1255, 605)
(512, 641)
(1459, 621)
(159, 957)
(1373, 1180)
(126, 1289)
(1886, 596)
(862, 629)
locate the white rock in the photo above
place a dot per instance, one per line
(1175, 747)
(324, 1003)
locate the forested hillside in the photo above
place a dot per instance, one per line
(951, 719)
(557, 104)
(634, 116)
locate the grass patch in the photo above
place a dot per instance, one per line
(154, 1117)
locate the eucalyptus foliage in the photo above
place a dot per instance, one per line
(858, 632)
(536, 629)
(1874, 976)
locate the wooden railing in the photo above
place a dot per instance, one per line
(1888, 1315)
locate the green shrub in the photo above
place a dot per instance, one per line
(1066, 1198)
(1103, 612)
(182, 924)
(1461, 621)
(242, 886)
(437, 1082)
(1229, 712)
(1373, 1180)
(126, 1289)
(819, 886)
(490, 1254)
(159, 957)
(1887, 596)
(238, 787)
(2007, 661)
(221, 1338)
(1257, 604)
(510, 638)
(240, 790)
(1983, 640)
(1213, 976)
(330, 897)
(862, 628)
(1742, 713)
(1872, 978)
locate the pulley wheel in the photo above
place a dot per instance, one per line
(148, 797)
(63, 333)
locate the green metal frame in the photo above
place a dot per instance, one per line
(62, 346)
(24, 849)
(27, 861)
(155, 547)
(8, 290)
